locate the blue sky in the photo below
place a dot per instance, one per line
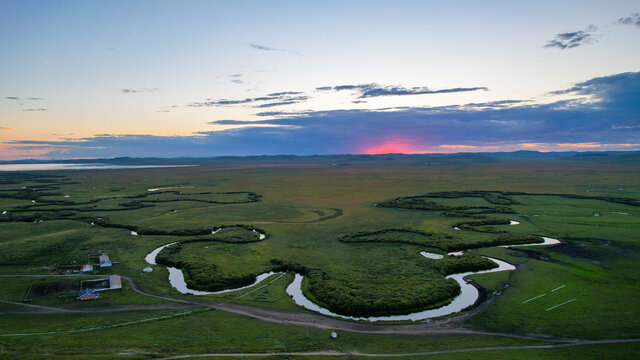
(206, 78)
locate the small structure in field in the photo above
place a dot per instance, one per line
(115, 282)
(104, 261)
(334, 335)
(88, 294)
(97, 285)
(87, 268)
(148, 269)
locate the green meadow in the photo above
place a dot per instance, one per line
(355, 229)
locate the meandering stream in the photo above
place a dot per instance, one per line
(176, 276)
(468, 293)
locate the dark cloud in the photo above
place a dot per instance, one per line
(285, 93)
(273, 113)
(34, 109)
(633, 19)
(610, 116)
(232, 122)
(263, 48)
(504, 102)
(235, 78)
(253, 122)
(273, 99)
(29, 98)
(621, 87)
(289, 102)
(221, 102)
(491, 104)
(375, 90)
(134, 91)
(295, 97)
(573, 39)
(269, 48)
(352, 87)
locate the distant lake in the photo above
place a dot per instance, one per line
(33, 167)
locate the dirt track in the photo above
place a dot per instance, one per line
(427, 353)
(429, 327)
(450, 326)
(50, 309)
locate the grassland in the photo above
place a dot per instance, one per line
(334, 223)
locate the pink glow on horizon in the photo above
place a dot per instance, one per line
(393, 146)
(388, 148)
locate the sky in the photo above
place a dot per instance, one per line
(86, 79)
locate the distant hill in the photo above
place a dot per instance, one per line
(611, 158)
(618, 157)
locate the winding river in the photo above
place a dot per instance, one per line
(468, 293)
(176, 276)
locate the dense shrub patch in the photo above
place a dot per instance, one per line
(440, 241)
(428, 202)
(409, 288)
(398, 235)
(207, 276)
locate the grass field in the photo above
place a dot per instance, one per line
(307, 212)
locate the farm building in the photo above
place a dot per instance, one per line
(88, 294)
(104, 261)
(87, 268)
(110, 283)
(115, 282)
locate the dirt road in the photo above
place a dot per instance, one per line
(450, 326)
(378, 355)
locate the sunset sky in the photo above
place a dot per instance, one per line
(82, 79)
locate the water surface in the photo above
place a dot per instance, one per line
(96, 166)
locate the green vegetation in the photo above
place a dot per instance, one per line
(208, 331)
(443, 242)
(190, 255)
(320, 221)
(400, 236)
(455, 203)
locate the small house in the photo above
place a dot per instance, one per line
(87, 268)
(104, 261)
(148, 269)
(88, 294)
(115, 282)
